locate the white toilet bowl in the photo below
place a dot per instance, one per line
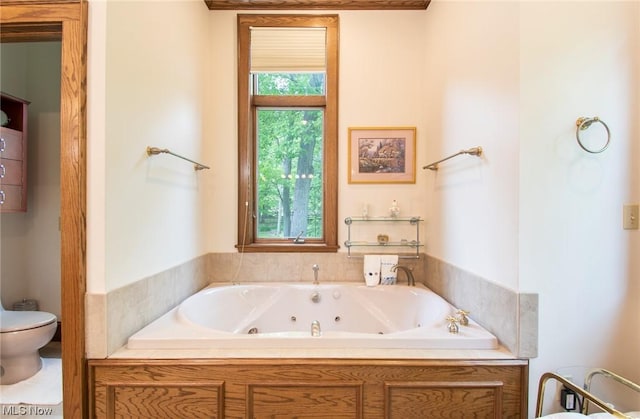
(22, 334)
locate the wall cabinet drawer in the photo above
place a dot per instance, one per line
(12, 198)
(11, 172)
(11, 144)
(13, 154)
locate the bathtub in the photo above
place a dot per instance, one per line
(282, 315)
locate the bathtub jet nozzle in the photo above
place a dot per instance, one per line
(315, 329)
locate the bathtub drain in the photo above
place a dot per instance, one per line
(253, 330)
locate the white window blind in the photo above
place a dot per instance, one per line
(288, 49)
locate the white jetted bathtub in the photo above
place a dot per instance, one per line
(294, 315)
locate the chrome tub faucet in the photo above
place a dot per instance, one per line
(411, 281)
(315, 268)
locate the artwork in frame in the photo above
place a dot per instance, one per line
(382, 155)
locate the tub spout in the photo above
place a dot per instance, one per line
(411, 281)
(315, 328)
(315, 268)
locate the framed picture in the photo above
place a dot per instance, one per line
(382, 155)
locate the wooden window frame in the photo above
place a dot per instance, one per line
(247, 240)
(318, 4)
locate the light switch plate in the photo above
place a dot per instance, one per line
(630, 216)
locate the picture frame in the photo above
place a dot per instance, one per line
(382, 155)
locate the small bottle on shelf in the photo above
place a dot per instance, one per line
(394, 210)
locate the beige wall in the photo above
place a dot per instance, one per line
(147, 88)
(380, 85)
(471, 99)
(573, 250)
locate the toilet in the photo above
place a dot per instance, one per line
(22, 334)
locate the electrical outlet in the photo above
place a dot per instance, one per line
(568, 399)
(630, 217)
(559, 386)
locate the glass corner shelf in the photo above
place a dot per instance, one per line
(412, 244)
(412, 220)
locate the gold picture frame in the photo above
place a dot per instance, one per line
(382, 155)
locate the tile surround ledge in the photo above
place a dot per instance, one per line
(113, 317)
(510, 316)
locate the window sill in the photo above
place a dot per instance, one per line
(287, 248)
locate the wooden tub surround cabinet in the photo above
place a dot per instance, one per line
(311, 388)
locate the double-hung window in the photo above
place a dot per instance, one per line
(287, 133)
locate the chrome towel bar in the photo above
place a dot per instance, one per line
(475, 151)
(155, 150)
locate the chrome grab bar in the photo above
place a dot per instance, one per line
(475, 151)
(607, 374)
(156, 150)
(588, 397)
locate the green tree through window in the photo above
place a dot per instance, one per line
(290, 160)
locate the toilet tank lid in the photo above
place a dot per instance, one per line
(12, 321)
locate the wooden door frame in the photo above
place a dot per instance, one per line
(28, 20)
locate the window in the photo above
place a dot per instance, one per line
(287, 133)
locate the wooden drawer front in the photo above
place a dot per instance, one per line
(312, 400)
(10, 172)
(11, 144)
(13, 198)
(444, 400)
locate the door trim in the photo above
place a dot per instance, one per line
(67, 21)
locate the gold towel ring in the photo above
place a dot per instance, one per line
(583, 124)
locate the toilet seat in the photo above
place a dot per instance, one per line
(13, 321)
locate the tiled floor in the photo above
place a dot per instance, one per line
(24, 411)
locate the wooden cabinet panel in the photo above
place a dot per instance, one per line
(444, 400)
(281, 400)
(164, 401)
(135, 391)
